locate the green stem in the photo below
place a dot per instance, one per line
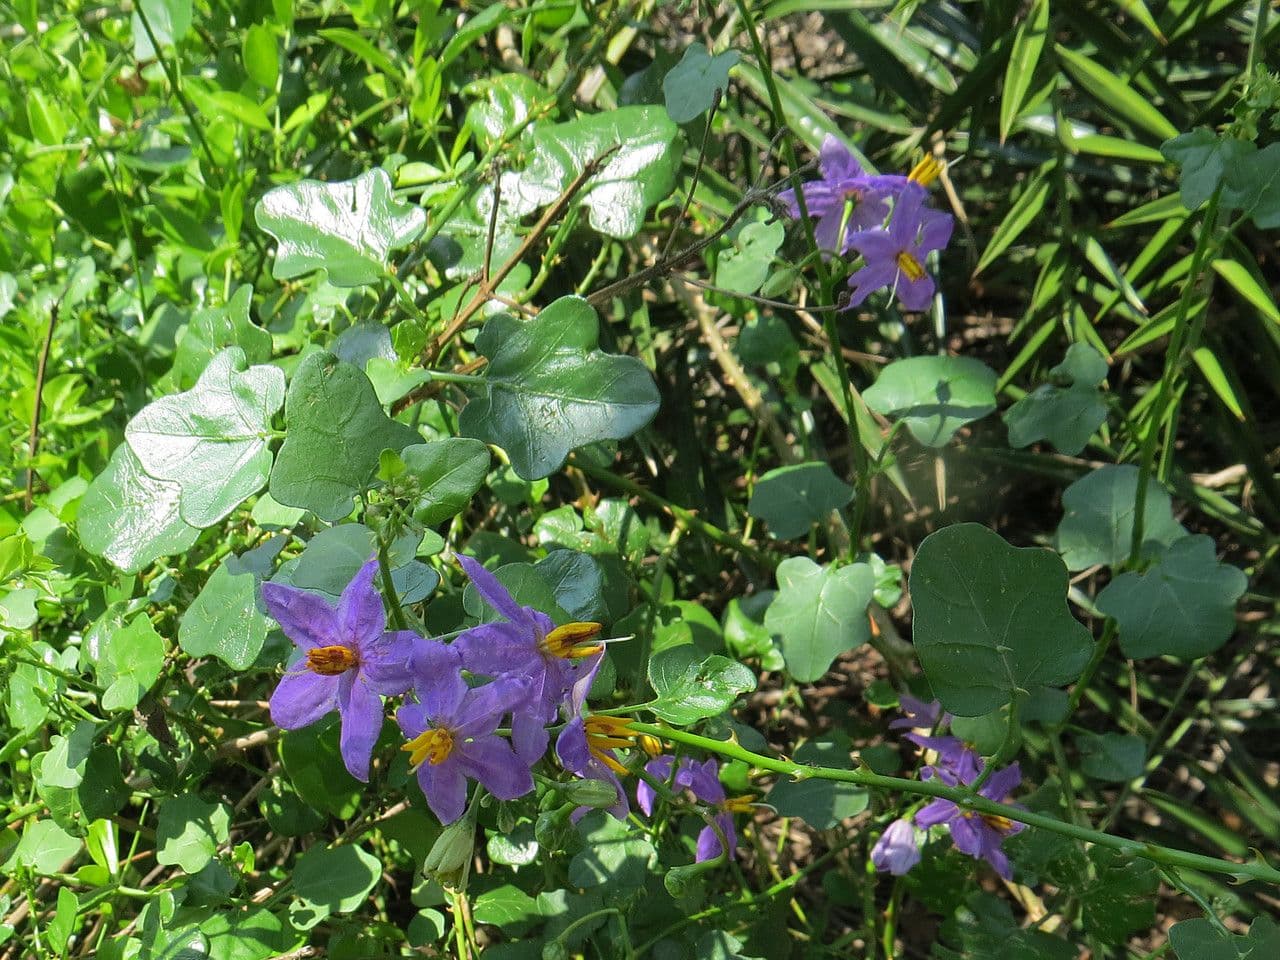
(446, 377)
(1156, 853)
(389, 589)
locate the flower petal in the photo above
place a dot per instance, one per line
(491, 760)
(362, 716)
(492, 591)
(876, 246)
(483, 708)
(571, 747)
(445, 787)
(836, 161)
(1002, 783)
(306, 618)
(915, 294)
(437, 677)
(660, 769)
(935, 812)
(529, 738)
(868, 280)
(384, 662)
(966, 834)
(935, 232)
(360, 610)
(492, 649)
(301, 698)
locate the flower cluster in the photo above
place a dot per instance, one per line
(522, 667)
(882, 217)
(954, 763)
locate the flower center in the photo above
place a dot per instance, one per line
(997, 822)
(606, 734)
(572, 641)
(926, 171)
(331, 661)
(740, 804)
(910, 266)
(433, 746)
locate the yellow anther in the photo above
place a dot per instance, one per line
(606, 734)
(432, 746)
(572, 641)
(331, 661)
(911, 268)
(997, 822)
(926, 171)
(740, 804)
(650, 744)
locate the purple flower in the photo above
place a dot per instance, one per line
(451, 732)
(586, 745)
(918, 715)
(350, 660)
(896, 851)
(527, 645)
(846, 199)
(954, 756)
(703, 781)
(977, 834)
(895, 257)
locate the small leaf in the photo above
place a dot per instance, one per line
(614, 855)
(1121, 899)
(820, 612)
(1114, 95)
(211, 330)
(792, 499)
(448, 473)
(1115, 757)
(1097, 525)
(128, 663)
(690, 687)
(935, 396)
(261, 56)
(212, 439)
(1066, 411)
(690, 87)
(1202, 939)
(498, 103)
(1028, 43)
(746, 266)
(337, 879)
(335, 431)
(991, 619)
(1203, 157)
(505, 906)
(549, 389)
(348, 228)
(1183, 606)
(189, 831)
(822, 804)
(224, 620)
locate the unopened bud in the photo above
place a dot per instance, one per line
(449, 860)
(553, 829)
(592, 793)
(506, 818)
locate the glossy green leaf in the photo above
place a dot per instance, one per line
(505, 906)
(211, 330)
(337, 879)
(690, 687)
(1067, 410)
(128, 662)
(691, 86)
(820, 612)
(498, 103)
(447, 473)
(224, 620)
(640, 149)
(792, 499)
(614, 854)
(1028, 43)
(991, 620)
(45, 847)
(746, 266)
(1114, 95)
(549, 388)
(935, 396)
(1097, 523)
(189, 831)
(335, 431)
(349, 228)
(168, 20)
(311, 759)
(261, 55)
(211, 440)
(1202, 939)
(1183, 606)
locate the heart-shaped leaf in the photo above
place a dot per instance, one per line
(1184, 606)
(211, 440)
(820, 612)
(934, 396)
(549, 389)
(690, 87)
(1202, 939)
(224, 620)
(690, 686)
(1097, 526)
(347, 228)
(991, 620)
(1067, 410)
(211, 330)
(448, 473)
(335, 430)
(792, 499)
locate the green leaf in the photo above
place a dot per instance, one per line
(335, 431)
(44, 847)
(614, 854)
(820, 612)
(505, 906)
(991, 620)
(224, 620)
(497, 104)
(1097, 525)
(261, 56)
(348, 228)
(1115, 757)
(1113, 95)
(526, 584)
(1022, 213)
(1203, 157)
(1028, 43)
(311, 759)
(1068, 410)
(128, 662)
(212, 439)
(337, 879)
(1253, 185)
(549, 389)
(131, 518)
(748, 638)
(189, 831)
(792, 499)
(822, 804)
(1202, 939)
(935, 396)
(211, 330)
(691, 86)
(1183, 606)
(984, 927)
(690, 687)
(634, 177)
(1121, 898)
(447, 473)
(169, 21)
(745, 267)
(1245, 283)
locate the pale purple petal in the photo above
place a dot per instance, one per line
(491, 760)
(915, 295)
(306, 618)
(935, 812)
(966, 833)
(660, 769)
(896, 851)
(492, 591)
(483, 708)
(836, 161)
(907, 218)
(437, 677)
(360, 610)
(529, 737)
(445, 787)
(708, 845)
(571, 746)
(1002, 783)
(384, 662)
(414, 719)
(362, 716)
(869, 279)
(868, 213)
(703, 779)
(998, 860)
(875, 246)
(496, 648)
(917, 713)
(826, 232)
(584, 676)
(301, 698)
(935, 232)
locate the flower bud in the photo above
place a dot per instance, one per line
(591, 793)
(449, 860)
(553, 829)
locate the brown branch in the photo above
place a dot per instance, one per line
(33, 444)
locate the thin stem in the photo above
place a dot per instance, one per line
(1156, 853)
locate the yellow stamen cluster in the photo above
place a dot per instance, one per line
(331, 661)
(432, 746)
(572, 641)
(740, 804)
(911, 268)
(926, 171)
(997, 822)
(605, 734)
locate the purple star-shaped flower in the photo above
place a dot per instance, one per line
(896, 851)
(954, 755)
(918, 715)
(977, 834)
(703, 781)
(451, 732)
(586, 744)
(350, 661)
(845, 200)
(895, 257)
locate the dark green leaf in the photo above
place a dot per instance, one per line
(1203, 158)
(1111, 756)
(1121, 899)
(691, 86)
(337, 879)
(224, 620)
(615, 854)
(792, 499)
(1097, 526)
(691, 687)
(820, 612)
(189, 831)
(1067, 410)
(1202, 939)
(935, 396)
(448, 473)
(822, 804)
